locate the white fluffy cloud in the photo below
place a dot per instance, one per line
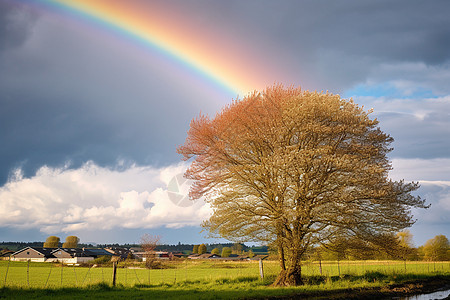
(63, 199)
(423, 170)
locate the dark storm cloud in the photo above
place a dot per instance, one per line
(420, 127)
(68, 98)
(334, 44)
(16, 22)
(418, 138)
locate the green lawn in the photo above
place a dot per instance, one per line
(201, 279)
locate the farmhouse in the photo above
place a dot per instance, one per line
(123, 253)
(204, 256)
(5, 254)
(96, 252)
(77, 255)
(70, 255)
(35, 254)
(64, 255)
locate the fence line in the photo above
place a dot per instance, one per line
(32, 274)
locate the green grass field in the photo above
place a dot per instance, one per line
(201, 279)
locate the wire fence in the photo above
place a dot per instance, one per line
(56, 275)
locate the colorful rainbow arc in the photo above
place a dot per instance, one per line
(138, 31)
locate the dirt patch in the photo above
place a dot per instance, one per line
(409, 288)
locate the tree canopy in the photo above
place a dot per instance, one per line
(437, 248)
(71, 242)
(226, 252)
(201, 249)
(51, 242)
(296, 168)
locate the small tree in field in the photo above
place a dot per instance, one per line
(51, 242)
(202, 249)
(215, 251)
(250, 253)
(226, 252)
(295, 169)
(195, 249)
(148, 244)
(71, 242)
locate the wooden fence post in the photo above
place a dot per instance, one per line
(320, 266)
(114, 273)
(61, 272)
(261, 268)
(7, 269)
(28, 273)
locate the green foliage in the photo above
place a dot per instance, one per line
(195, 249)
(374, 275)
(201, 249)
(71, 242)
(237, 248)
(215, 251)
(437, 248)
(102, 259)
(51, 242)
(226, 252)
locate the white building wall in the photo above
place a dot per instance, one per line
(41, 259)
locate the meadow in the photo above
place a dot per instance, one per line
(204, 279)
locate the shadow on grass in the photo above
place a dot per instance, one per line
(319, 287)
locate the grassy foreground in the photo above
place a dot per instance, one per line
(373, 285)
(220, 280)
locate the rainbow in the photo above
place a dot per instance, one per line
(153, 28)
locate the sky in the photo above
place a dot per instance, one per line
(95, 98)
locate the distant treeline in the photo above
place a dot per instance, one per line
(187, 248)
(14, 246)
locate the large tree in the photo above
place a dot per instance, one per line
(296, 168)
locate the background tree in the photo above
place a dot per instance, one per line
(148, 244)
(250, 253)
(421, 253)
(71, 242)
(237, 248)
(51, 242)
(405, 248)
(226, 252)
(202, 249)
(195, 249)
(295, 168)
(215, 251)
(437, 248)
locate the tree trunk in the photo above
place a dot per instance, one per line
(281, 257)
(291, 276)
